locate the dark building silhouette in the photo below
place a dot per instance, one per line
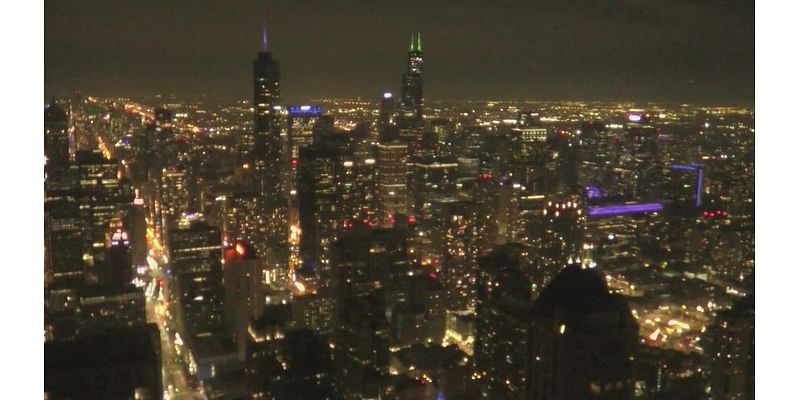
(264, 344)
(63, 238)
(288, 364)
(575, 341)
(732, 352)
(411, 99)
(244, 291)
(56, 136)
(262, 148)
(388, 112)
(503, 327)
(583, 340)
(195, 252)
(371, 267)
(124, 364)
(321, 195)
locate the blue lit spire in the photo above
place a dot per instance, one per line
(264, 38)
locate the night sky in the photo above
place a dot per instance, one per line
(698, 51)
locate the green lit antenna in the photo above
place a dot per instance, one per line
(411, 44)
(419, 41)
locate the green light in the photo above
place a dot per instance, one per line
(411, 44)
(419, 41)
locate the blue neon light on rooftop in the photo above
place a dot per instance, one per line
(305, 111)
(624, 209)
(594, 192)
(698, 186)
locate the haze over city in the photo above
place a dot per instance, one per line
(669, 51)
(364, 200)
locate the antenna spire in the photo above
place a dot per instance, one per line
(264, 38)
(419, 41)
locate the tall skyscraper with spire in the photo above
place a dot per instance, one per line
(262, 147)
(262, 151)
(411, 91)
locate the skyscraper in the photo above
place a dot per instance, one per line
(392, 188)
(411, 93)
(244, 291)
(63, 239)
(575, 341)
(121, 364)
(262, 146)
(732, 353)
(195, 253)
(102, 196)
(56, 136)
(583, 340)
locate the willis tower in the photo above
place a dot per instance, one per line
(411, 91)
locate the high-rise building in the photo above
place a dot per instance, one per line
(102, 197)
(63, 239)
(124, 364)
(195, 252)
(732, 353)
(388, 112)
(574, 341)
(362, 344)
(302, 120)
(265, 350)
(262, 151)
(174, 195)
(56, 136)
(411, 100)
(455, 243)
(321, 194)
(164, 138)
(392, 183)
(116, 269)
(288, 363)
(138, 232)
(583, 339)
(262, 148)
(244, 291)
(372, 277)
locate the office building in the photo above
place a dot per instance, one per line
(583, 339)
(124, 364)
(243, 278)
(195, 253)
(56, 136)
(556, 346)
(392, 182)
(63, 240)
(732, 352)
(411, 98)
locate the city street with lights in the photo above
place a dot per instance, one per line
(176, 385)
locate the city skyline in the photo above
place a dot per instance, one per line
(681, 52)
(393, 246)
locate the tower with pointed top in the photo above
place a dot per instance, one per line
(262, 149)
(411, 92)
(264, 142)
